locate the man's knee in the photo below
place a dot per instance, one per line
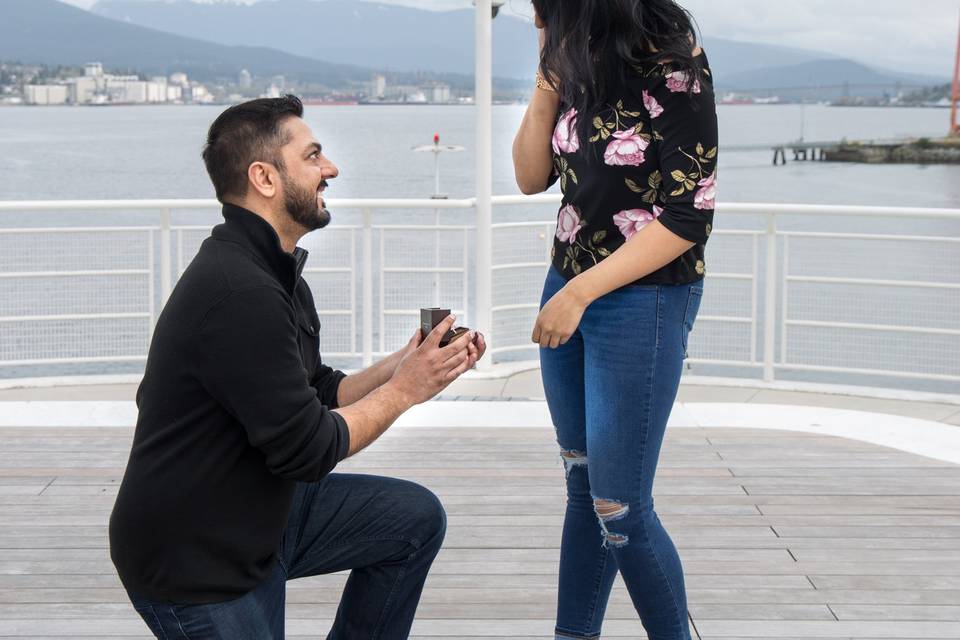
(427, 516)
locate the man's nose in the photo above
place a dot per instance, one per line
(330, 170)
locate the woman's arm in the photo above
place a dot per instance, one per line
(532, 150)
(650, 249)
(687, 127)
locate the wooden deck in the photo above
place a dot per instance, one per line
(783, 535)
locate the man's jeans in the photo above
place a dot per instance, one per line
(610, 390)
(386, 531)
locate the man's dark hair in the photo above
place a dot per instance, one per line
(243, 134)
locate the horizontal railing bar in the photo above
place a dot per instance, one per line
(738, 232)
(25, 230)
(826, 324)
(520, 265)
(517, 199)
(736, 319)
(92, 360)
(422, 227)
(865, 236)
(872, 372)
(871, 281)
(834, 210)
(73, 274)
(522, 225)
(75, 316)
(193, 204)
(467, 203)
(725, 363)
(423, 270)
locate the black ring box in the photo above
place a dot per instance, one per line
(430, 318)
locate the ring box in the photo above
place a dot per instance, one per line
(430, 318)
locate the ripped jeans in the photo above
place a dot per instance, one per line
(610, 390)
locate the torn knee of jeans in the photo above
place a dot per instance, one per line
(573, 458)
(615, 540)
(611, 511)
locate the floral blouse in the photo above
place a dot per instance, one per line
(659, 150)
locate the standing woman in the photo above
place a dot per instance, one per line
(624, 117)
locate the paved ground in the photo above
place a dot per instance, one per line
(783, 535)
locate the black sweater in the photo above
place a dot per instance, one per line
(234, 410)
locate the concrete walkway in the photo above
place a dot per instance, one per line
(528, 386)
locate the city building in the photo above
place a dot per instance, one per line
(45, 94)
(379, 86)
(437, 92)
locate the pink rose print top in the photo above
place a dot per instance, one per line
(652, 156)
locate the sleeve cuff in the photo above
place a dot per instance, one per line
(685, 230)
(343, 436)
(338, 377)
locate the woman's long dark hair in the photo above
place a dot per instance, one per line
(592, 46)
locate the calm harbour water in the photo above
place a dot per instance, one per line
(154, 152)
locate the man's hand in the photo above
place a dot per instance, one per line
(410, 347)
(428, 369)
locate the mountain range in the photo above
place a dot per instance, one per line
(337, 42)
(53, 33)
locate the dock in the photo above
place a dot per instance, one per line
(801, 150)
(783, 535)
(899, 151)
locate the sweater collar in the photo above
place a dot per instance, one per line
(252, 232)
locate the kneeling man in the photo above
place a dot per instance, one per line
(228, 492)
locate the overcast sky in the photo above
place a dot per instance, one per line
(909, 35)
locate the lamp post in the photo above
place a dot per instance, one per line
(436, 149)
(486, 11)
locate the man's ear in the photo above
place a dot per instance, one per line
(263, 177)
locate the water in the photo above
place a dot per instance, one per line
(154, 152)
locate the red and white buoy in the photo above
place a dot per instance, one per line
(436, 149)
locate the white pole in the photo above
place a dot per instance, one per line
(166, 284)
(368, 288)
(484, 172)
(436, 222)
(770, 303)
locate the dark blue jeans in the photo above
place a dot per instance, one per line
(386, 531)
(610, 390)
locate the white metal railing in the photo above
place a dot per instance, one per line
(781, 300)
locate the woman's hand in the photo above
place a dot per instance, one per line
(558, 319)
(476, 349)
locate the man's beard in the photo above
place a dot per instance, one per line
(303, 206)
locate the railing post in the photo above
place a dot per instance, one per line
(367, 288)
(166, 282)
(770, 302)
(484, 174)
